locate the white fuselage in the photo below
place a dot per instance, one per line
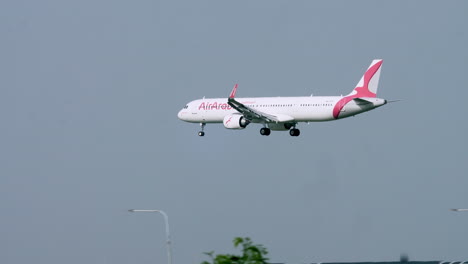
(302, 109)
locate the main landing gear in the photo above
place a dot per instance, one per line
(202, 133)
(265, 131)
(294, 132)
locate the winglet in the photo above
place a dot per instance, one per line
(233, 92)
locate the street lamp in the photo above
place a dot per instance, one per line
(459, 210)
(168, 236)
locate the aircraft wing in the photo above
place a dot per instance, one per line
(254, 115)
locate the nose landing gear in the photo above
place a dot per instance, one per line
(202, 133)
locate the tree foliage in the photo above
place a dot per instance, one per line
(251, 254)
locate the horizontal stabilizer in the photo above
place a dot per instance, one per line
(362, 100)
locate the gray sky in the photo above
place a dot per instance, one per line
(90, 91)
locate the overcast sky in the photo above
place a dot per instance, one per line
(89, 95)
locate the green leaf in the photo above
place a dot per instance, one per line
(251, 254)
(237, 241)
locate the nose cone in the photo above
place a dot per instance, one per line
(183, 115)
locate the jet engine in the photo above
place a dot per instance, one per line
(235, 121)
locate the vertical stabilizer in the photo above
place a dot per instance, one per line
(367, 86)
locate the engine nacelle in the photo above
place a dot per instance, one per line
(235, 121)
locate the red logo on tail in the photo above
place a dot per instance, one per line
(360, 91)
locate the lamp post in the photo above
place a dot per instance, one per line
(459, 210)
(168, 236)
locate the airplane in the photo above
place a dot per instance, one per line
(284, 113)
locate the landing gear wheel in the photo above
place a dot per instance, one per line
(201, 133)
(294, 132)
(265, 131)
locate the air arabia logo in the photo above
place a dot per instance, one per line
(362, 91)
(214, 106)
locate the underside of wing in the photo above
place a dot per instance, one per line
(256, 116)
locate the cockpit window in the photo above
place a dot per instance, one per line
(185, 107)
